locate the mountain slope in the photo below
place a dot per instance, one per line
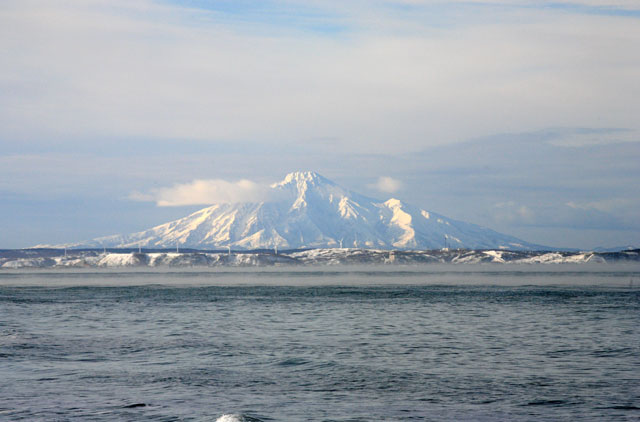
(310, 211)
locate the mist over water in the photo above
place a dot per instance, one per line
(524, 343)
(597, 274)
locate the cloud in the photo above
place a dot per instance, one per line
(205, 192)
(387, 184)
(590, 137)
(569, 215)
(390, 82)
(514, 213)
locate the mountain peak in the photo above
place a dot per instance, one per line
(393, 202)
(303, 179)
(304, 176)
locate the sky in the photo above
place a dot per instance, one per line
(521, 116)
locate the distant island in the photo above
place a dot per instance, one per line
(305, 219)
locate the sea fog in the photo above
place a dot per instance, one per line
(585, 274)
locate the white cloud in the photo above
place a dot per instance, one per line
(205, 192)
(387, 184)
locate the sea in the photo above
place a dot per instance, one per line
(332, 344)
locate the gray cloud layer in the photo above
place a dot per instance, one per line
(389, 81)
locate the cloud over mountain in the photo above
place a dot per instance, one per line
(387, 184)
(203, 192)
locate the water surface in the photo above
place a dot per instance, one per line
(344, 344)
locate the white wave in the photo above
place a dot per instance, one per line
(230, 418)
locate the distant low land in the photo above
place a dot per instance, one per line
(114, 258)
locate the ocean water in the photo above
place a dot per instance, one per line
(452, 343)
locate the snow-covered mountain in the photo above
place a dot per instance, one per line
(310, 211)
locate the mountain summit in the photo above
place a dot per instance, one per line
(309, 211)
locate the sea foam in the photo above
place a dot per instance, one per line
(236, 418)
(230, 418)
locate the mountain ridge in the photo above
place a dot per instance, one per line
(57, 258)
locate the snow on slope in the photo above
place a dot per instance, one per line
(310, 211)
(29, 259)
